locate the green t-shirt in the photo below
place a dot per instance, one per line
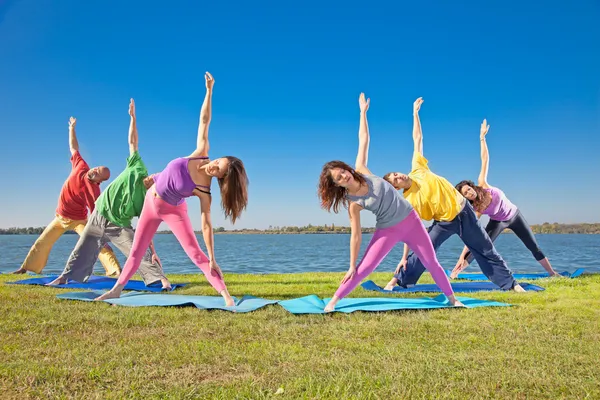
(123, 199)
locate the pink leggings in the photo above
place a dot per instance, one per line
(410, 231)
(154, 212)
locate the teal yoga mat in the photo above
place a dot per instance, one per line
(314, 305)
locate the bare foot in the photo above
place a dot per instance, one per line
(454, 274)
(556, 275)
(331, 305)
(229, 301)
(518, 288)
(114, 275)
(454, 302)
(20, 271)
(391, 284)
(227, 297)
(113, 293)
(58, 281)
(166, 285)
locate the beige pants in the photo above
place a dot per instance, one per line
(38, 254)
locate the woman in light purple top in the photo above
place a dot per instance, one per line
(503, 214)
(165, 202)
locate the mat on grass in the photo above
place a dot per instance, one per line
(136, 299)
(482, 277)
(314, 305)
(304, 305)
(96, 283)
(458, 287)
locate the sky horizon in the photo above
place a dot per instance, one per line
(287, 81)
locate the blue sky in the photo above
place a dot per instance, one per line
(288, 76)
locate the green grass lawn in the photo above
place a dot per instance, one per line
(546, 346)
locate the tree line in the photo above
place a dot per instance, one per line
(546, 227)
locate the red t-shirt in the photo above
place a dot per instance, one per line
(78, 192)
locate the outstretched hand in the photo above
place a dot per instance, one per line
(132, 108)
(484, 129)
(364, 104)
(210, 81)
(72, 122)
(417, 105)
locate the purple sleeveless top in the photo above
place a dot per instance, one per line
(500, 208)
(174, 183)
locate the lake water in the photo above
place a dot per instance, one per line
(262, 254)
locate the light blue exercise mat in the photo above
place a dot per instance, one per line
(304, 305)
(458, 287)
(482, 277)
(314, 305)
(135, 299)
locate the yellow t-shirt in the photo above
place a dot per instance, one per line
(432, 196)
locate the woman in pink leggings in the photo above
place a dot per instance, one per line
(396, 221)
(185, 177)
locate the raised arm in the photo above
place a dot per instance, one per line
(362, 157)
(73, 144)
(417, 133)
(202, 145)
(133, 134)
(485, 157)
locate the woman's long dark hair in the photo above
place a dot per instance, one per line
(330, 194)
(483, 198)
(234, 189)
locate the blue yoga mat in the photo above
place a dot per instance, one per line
(460, 287)
(135, 299)
(97, 283)
(482, 277)
(314, 305)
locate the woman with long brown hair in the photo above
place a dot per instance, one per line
(357, 189)
(490, 200)
(185, 177)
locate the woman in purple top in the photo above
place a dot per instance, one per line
(503, 214)
(165, 202)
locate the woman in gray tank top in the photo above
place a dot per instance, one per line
(357, 189)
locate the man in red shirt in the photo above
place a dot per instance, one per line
(77, 196)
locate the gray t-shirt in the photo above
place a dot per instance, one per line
(384, 201)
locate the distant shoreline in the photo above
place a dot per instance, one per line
(545, 228)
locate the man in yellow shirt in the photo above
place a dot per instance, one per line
(434, 198)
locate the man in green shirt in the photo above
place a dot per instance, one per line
(120, 202)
